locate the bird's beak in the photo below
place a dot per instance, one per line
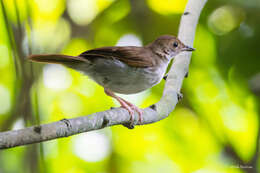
(188, 48)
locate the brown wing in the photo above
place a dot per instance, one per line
(132, 56)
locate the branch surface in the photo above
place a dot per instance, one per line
(99, 120)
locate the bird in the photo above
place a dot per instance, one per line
(123, 69)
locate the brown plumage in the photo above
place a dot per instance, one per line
(56, 58)
(131, 55)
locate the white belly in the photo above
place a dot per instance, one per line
(121, 78)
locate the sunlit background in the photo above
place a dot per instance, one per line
(214, 129)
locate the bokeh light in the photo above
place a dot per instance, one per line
(48, 6)
(129, 40)
(92, 146)
(18, 124)
(225, 19)
(166, 7)
(56, 77)
(44, 32)
(70, 104)
(232, 113)
(83, 12)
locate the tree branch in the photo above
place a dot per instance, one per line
(154, 113)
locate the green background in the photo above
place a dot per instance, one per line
(214, 129)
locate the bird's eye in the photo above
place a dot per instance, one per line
(175, 44)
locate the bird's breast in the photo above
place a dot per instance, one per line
(121, 78)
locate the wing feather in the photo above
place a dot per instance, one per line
(132, 56)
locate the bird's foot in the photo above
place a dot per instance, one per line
(139, 111)
(131, 108)
(128, 106)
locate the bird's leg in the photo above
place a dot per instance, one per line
(127, 105)
(137, 109)
(121, 101)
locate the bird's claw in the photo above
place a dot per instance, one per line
(128, 106)
(131, 108)
(139, 111)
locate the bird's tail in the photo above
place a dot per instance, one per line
(57, 59)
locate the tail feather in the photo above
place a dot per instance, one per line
(56, 59)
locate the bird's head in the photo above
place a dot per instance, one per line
(169, 46)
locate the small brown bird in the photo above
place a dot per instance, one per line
(125, 70)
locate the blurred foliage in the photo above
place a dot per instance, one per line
(214, 129)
